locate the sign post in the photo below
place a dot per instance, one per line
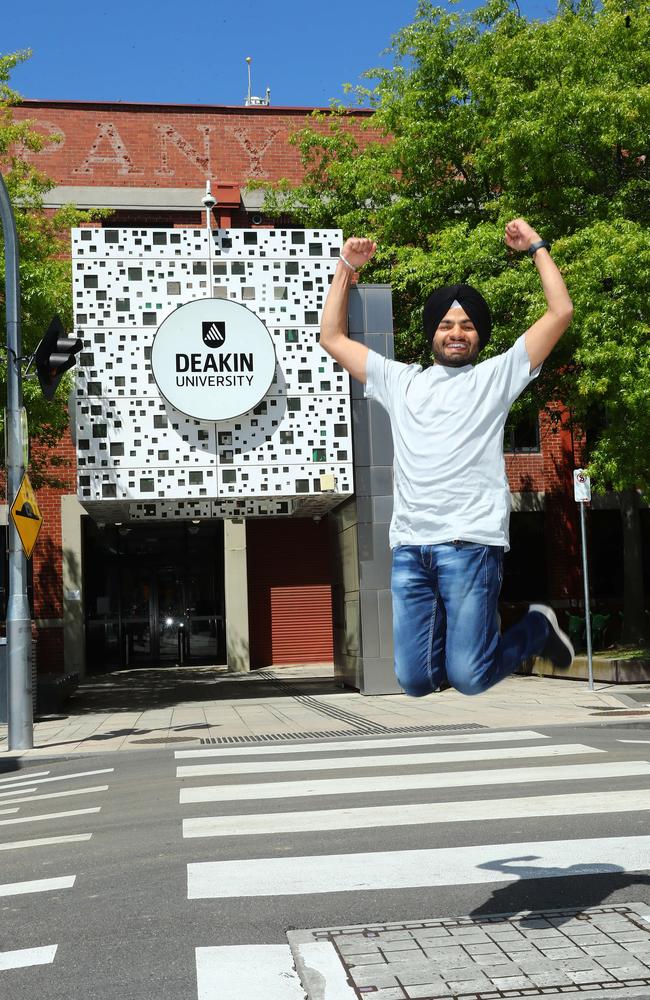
(582, 495)
(19, 620)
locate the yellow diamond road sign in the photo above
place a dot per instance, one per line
(26, 516)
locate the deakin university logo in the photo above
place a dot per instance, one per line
(214, 333)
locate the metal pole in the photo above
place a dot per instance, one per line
(19, 621)
(585, 576)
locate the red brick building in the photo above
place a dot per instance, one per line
(149, 165)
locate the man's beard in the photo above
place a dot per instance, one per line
(453, 361)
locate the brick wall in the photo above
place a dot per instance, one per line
(47, 560)
(168, 146)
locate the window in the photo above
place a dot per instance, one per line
(521, 435)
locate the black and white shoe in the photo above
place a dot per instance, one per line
(558, 649)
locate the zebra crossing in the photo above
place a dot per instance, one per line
(24, 857)
(334, 789)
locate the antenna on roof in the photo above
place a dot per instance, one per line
(251, 100)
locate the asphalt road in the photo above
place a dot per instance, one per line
(117, 922)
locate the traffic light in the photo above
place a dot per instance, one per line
(54, 356)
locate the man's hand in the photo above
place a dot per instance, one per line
(358, 251)
(519, 235)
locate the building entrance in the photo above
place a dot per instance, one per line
(153, 595)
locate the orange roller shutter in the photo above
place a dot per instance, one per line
(289, 591)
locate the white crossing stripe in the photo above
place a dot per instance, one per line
(345, 745)
(408, 782)
(16, 845)
(322, 960)
(247, 972)
(16, 791)
(61, 795)
(369, 817)
(46, 816)
(410, 869)
(64, 777)
(37, 885)
(5, 812)
(26, 957)
(386, 760)
(20, 776)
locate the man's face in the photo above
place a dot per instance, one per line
(455, 342)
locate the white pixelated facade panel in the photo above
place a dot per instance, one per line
(134, 447)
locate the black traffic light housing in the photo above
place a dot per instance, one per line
(54, 356)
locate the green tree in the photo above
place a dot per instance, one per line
(484, 116)
(45, 270)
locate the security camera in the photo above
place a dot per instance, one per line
(209, 200)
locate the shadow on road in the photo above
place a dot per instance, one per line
(576, 887)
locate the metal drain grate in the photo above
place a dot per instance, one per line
(331, 733)
(619, 713)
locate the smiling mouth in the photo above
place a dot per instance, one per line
(457, 345)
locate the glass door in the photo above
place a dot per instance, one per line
(170, 619)
(137, 600)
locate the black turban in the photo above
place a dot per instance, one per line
(440, 301)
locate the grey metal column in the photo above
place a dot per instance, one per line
(363, 635)
(19, 624)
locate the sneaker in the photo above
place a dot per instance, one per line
(558, 648)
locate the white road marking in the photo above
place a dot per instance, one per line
(72, 838)
(410, 869)
(633, 741)
(64, 777)
(253, 972)
(37, 885)
(61, 795)
(20, 776)
(386, 760)
(16, 791)
(46, 816)
(26, 957)
(369, 817)
(345, 745)
(407, 782)
(5, 812)
(318, 962)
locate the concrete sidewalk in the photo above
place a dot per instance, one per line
(133, 709)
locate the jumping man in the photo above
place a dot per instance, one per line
(449, 528)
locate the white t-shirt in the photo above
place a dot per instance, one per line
(449, 473)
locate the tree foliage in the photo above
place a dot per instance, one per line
(484, 116)
(45, 268)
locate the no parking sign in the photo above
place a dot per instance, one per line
(581, 486)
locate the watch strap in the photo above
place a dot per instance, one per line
(534, 247)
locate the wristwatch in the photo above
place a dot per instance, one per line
(534, 247)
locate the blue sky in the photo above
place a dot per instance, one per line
(189, 52)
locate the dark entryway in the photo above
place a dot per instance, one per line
(153, 595)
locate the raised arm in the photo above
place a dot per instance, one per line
(334, 324)
(543, 335)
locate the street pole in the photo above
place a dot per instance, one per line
(582, 496)
(19, 622)
(585, 576)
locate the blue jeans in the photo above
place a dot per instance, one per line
(445, 626)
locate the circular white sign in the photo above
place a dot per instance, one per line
(213, 359)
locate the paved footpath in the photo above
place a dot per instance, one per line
(134, 709)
